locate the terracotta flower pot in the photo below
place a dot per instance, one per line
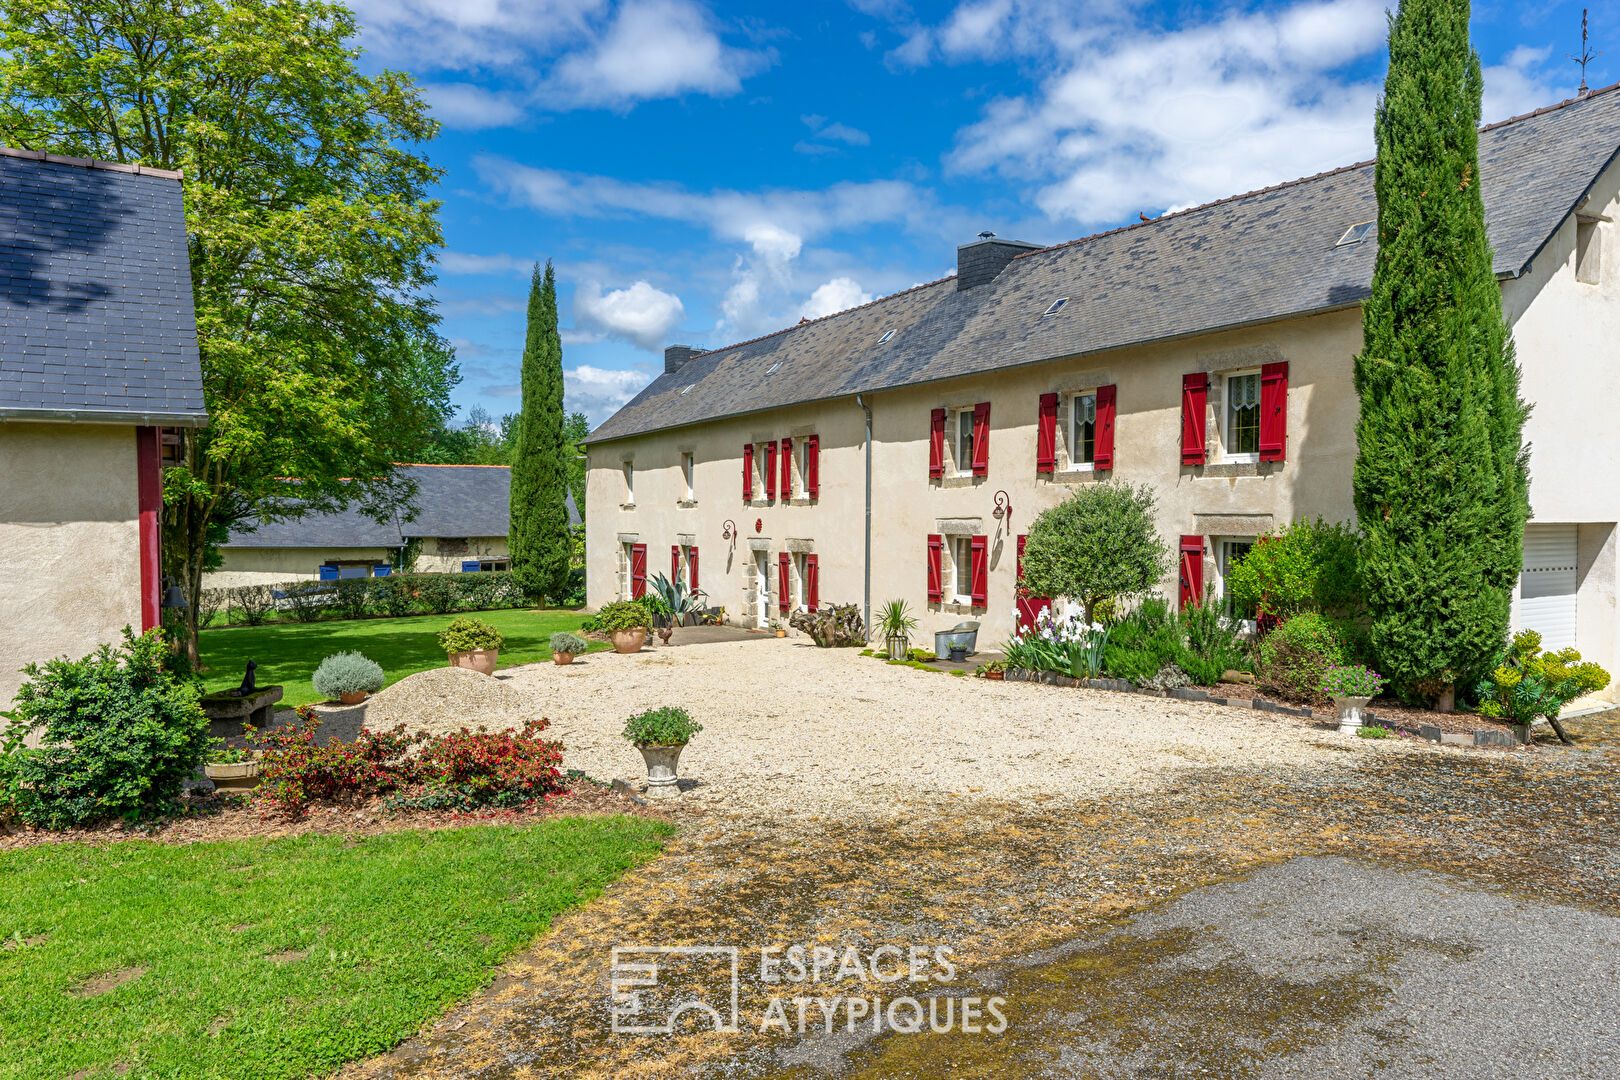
(233, 776)
(562, 659)
(781, 633)
(995, 675)
(479, 660)
(353, 698)
(629, 641)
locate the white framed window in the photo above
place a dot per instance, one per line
(1240, 417)
(629, 483)
(1229, 551)
(688, 475)
(797, 588)
(1083, 429)
(962, 568)
(963, 443)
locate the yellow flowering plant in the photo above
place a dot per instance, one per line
(1531, 683)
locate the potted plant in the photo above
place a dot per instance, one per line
(896, 623)
(625, 622)
(231, 768)
(781, 631)
(472, 644)
(661, 735)
(674, 604)
(348, 677)
(1351, 687)
(995, 669)
(566, 646)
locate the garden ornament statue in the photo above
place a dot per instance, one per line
(247, 681)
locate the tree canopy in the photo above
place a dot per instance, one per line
(1100, 543)
(539, 537)
(311, 236)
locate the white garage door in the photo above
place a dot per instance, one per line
(1547, 586)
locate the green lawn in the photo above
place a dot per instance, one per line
(288, 653)
(275, 958)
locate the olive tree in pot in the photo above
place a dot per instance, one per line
(625, 622)
(896, 623)
(661, 735)
(566, 646)
(472, 643)
(348, 677)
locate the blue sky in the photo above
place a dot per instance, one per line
(704, 172)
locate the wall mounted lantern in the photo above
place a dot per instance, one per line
(728, 530)
(1003, 507)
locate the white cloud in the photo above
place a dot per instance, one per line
(839, 294)
(655, 49)
(1517, 84)
(471, 108)
(461, 262)
(599, 392)
(554, 54)
(640, 314)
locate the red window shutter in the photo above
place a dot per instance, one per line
(981, 570)
(1046, 434)
(674, 563)
(770, 469)
(748, 471)
(1029, 607)
(812, 582)
(784, 564)
(786, 485)
(1192, 571)
(691, 568)
(812, 466)
(1274, 411)
(638, 571)
(936, 562)
(1103, 457)
(981, 438)
(1194, 406)
(936, 443)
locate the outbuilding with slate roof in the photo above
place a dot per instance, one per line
(901, 449)
(98, 354)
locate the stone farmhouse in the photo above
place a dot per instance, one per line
(459, 525)
(98, 358)
(901, 449)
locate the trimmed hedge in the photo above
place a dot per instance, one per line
(354, 598)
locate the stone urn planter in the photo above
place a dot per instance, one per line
(233, 776)
(1350, 713)
(629, 641)
(479, 660)
(353, 698)
(562, 659)
(661, 770)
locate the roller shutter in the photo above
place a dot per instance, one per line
(1547, 586)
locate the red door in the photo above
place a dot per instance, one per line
(1029, 607)
(638, 571)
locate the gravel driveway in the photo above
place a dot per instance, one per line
(790, 729)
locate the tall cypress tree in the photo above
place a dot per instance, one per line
(538, 538)
(1442, 473)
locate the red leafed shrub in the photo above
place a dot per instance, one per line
(294, 771)
(462, 770)
(502, 768)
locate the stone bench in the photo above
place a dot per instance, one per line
(227, 713)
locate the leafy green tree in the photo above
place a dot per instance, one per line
(311, 237)
(539, 537)
(1099, 544)
(479, 439)
(1304, 566)
(1442, 474)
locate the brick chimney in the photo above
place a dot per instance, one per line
(978, 263)
(675, 356)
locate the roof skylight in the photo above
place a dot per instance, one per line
(688, 388)
(1056, 304)
(1355, 234)
(772, 369)
(887, 334)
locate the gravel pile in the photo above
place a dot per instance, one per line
(792, 731)
(436, 701)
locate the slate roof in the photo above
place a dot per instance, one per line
(1250, 259)
(451, 500)
(96, 316)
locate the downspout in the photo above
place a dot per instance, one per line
(866, 595)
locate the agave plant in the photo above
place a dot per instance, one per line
(675, 599)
